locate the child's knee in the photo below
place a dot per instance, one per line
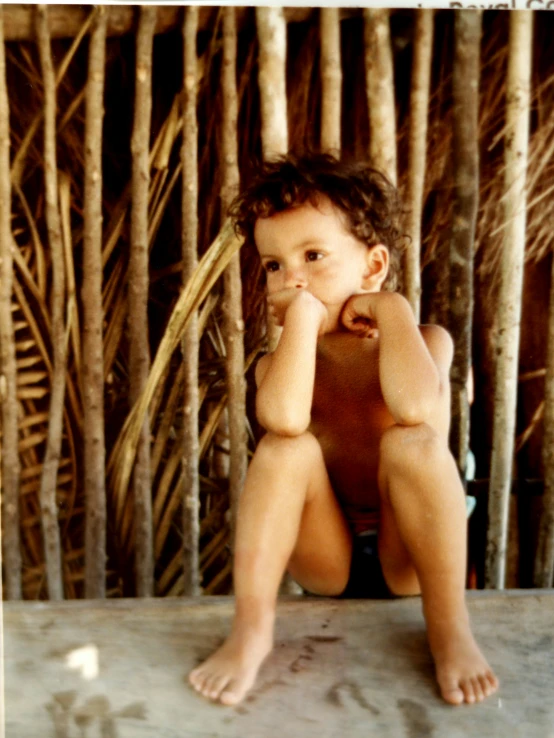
(274, 449)
(415, 449)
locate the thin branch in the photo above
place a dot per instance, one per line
(47, 494)
(20, 156)
(380, 91)
(544, 562)
(232, 304)
(419, 114)
(331, 79)
(92, 347)
(139, 351)
(465, 145)
(9, 452)
(509, 310)
(190, 342)
(272, 37)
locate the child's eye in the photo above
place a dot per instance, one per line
(271, 266)
(313, 256)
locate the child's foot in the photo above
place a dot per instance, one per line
(463, 673)
(230, 672)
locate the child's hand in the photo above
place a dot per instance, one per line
(280, 302)
(359, 316)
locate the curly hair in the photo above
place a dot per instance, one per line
(369, 202)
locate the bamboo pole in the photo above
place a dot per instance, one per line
(232, 303)
(465, 145)
(509, 311)
(92, 360)
(190, 342)
(48, 480)
(419, 113)
(139, 351)
(380, 91)
(10, 464)
(272, 37)
(331, 79)
(544, 561)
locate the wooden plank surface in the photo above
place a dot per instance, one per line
(339, 668)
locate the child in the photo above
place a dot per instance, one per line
(355, 400)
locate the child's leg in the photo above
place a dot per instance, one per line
(422, 547)
(289, 516)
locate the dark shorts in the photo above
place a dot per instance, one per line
(366, 578)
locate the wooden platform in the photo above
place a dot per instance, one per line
(340, 668)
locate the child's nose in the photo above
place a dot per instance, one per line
(295, 278)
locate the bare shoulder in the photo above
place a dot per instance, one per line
(261, 368)
(439, 342)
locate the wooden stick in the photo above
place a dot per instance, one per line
(232, 303)
(544, 562)
(419, 113)
(190, 342)
(47, 494)
(139, 353)
(465, 145)
(21, 154)
(509, 311)
(10, 464)
(331, 79)
(380, 91)
(92, 344)
(272, 37)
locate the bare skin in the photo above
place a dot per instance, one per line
(383, 446)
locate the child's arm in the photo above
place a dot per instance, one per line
(413, 372)
(285, 379)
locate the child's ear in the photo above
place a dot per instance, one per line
(377, 267)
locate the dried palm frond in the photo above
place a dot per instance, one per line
(195, 292)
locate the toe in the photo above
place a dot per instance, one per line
(486, 687)
(467, 689)
(477, 689)
(233, 693)
(203, 684)
(195, 678)
(493, 681)
(217, 685)
(452, 693)
(208, 685)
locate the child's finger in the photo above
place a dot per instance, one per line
(358, 324)
(350, 319)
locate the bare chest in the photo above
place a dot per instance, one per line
(349, 414)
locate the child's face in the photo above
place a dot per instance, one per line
(310, 248)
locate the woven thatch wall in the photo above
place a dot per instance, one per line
(33, 263)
